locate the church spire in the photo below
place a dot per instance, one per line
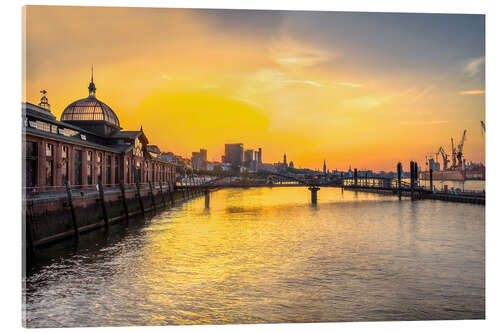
(92, 87)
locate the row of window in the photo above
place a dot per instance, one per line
(94, 163)
(47, 127)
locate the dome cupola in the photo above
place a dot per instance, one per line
(91, 114)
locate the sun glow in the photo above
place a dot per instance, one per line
(197, 79)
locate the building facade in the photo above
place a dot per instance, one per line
(233, 153)
(85, 147)
(199, 160)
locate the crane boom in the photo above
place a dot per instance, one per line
(460, 149)
(453, 154)
(445, 157)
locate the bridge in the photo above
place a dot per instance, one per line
(374, 184)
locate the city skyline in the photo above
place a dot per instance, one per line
(369, 93)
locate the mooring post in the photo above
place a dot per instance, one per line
(152, 195)
(183, 189)
(124, 200)
(138, 192)
(430, 179)
(30, 237)
(207, 198)
(412, 179)
(314, 194)
(103, 205)
(162, 196)
(171, 192)
(72, 207)
(417, 181)
(400, 171)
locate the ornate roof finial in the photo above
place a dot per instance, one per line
(44, 102)
(92, 87)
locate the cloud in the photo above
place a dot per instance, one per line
(247, 101)
(364, 103)
(472, 92)
(473, 66)
(348, 84)
(290, 53)
(210, 86)
(265, 81)
(166, 77)
(306, 82)
(425, 122)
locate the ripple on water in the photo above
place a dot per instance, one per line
(266, 255)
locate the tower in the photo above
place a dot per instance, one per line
(92, 87)
(324, 167)
(284, 160)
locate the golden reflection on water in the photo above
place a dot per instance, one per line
(268, 255)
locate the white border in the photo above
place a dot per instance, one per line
(11, 158)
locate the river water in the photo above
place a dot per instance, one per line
(265, 255)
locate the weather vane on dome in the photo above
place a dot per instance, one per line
(44, 102)
(92, 87)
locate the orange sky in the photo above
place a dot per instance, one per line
(356, 89)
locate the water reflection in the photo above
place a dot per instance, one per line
(267, 255)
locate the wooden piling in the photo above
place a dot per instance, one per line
(430, 179)
(72, 207)
(171, 192)
(153, 203)
(138, 193)
(412, 180)
(30, 237)
(124, 201)
(103, 204)
(400, 171)
(162, 196)
(207, 198)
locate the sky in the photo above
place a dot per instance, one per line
(361, 89)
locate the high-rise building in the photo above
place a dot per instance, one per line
(234, 153)
(249, 155)
(259, 159)
(199, 160)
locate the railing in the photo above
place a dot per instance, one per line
(54, 192)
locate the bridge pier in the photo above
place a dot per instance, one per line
(207, 198)
(314, 194)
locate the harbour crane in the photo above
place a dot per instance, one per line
(445, 157)
(460, 149)
(453, 154)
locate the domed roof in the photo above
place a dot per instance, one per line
(90, 109)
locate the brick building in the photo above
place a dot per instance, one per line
(86, 146)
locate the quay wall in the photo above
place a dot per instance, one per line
(49, 219)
